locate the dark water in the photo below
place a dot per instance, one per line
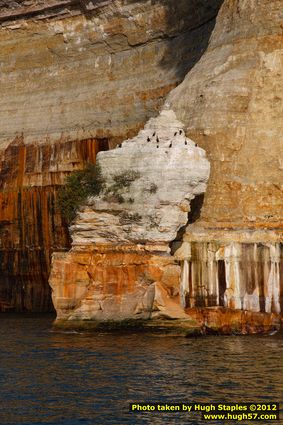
(85, 379)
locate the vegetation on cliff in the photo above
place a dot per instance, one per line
(122, 181)
(78, 186)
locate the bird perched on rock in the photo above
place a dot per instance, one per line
(157, 146)
(186, 142)
(148, 139)
(154, 134)
(175, 134)
(180, 132)
(170, 146)
(120, 145)
(157, 139)
(196, 145)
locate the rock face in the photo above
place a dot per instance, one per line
(149, 183)
(128, 272)
(237, 275)
(31, 227)
(77, 77)
(231, 103)
(99, 71)
(231, 251)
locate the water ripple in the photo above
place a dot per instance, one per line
(59, 378)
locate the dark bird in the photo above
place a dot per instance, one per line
(148, 139)
(170, 146)
(180, 132)
(186, 142)
(175, 134)
(154, 134)
(196, 145)
(120, 145)
(157, 139)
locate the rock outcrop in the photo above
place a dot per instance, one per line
(120, 266)
(231, 250)
(77, 77)
(99, 70)
(149, 183)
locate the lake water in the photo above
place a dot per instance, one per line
(59, 378)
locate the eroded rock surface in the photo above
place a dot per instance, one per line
(77, 77)
(231, 104)
(150, 181)
(120, 266)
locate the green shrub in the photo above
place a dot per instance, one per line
(129, 218)
(153, 188)
(123, 180)
(78, 186)
(126, 178)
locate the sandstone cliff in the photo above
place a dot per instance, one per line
(77, 77)
(232, 103)
(120, 266)
(231, 253)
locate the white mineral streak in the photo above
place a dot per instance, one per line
(232, 254)
(273, 283)
(157, 202)
(248, 279)
(184, 287)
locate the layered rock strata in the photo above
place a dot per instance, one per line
(31, 226)
(232, 103)
(120, 266)
(77, 77)
(231, 251)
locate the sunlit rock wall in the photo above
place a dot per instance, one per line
(231, 250)
(235, 275)
(231, 103)
(31, 226)
(77, 77)
(120, 266)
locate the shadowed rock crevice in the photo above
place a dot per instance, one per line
(193, 215)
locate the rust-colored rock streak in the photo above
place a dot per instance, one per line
(231, 105)
(31, 227)
(76, 77)
(115, 284)
(220, 320)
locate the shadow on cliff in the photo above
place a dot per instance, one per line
(189, 24)
(189, 27)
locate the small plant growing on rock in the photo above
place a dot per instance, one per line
(114, 197)
(126, 178)
(78, 186)
(152, 189)
(121, 181)
(129, 218)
